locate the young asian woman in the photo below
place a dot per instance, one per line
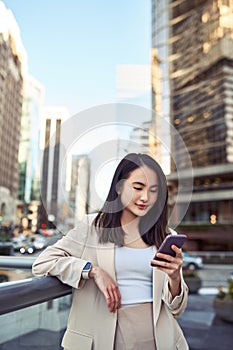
(119, 300)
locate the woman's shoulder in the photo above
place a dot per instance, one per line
(87, 219)
(82, 227)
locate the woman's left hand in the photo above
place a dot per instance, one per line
(171, 267)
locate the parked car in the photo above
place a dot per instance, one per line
(192, 262)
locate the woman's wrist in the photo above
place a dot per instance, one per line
(174, 286)
(93, 271)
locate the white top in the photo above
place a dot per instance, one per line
(134, 274)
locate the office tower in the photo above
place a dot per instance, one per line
(29, 152)
(53, 167)
(199, 56)
(29, 147)
(139, 142)
(159, 137)
(13, 62)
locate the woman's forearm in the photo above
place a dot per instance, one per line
(174, 286)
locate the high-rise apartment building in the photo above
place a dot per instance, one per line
(53, 166)
(198, 57)
(13, 63)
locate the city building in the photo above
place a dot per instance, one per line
(197, 66)
(13, 67)
(53, 168)
(139, 141)
(79, 189)
(160, 130)
(29, 153)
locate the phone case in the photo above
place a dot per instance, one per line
(170, 240)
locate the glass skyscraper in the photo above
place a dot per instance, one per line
(193, 42)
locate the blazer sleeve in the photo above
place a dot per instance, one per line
(178, 304)
(63, 259)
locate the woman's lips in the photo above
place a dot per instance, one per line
(141, 206)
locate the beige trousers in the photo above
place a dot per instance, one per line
(135, 328)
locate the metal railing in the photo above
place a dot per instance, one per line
(18, 295)
(15, 262)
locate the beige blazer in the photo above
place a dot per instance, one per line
(90, 325)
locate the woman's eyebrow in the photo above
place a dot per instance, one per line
(142, 184)
(138, 183)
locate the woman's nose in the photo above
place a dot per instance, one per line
(144, 195)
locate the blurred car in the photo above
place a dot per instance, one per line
(46, 232)
(39, 243)
(28, 249)
(19, 241)
(192, 262)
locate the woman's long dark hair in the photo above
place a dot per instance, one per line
(152, 226)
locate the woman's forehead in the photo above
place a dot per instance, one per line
(143, 174)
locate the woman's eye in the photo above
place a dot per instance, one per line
(138, 188)
(154, 190)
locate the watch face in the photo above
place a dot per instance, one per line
(87, 266)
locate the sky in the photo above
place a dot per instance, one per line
(87, 54)
(79, 50)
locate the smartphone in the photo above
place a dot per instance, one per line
(165, 248)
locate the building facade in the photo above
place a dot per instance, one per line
(13, 63)
(139, 142)
(29, 152)
(80, 186)
(199, 49)
(53, 168)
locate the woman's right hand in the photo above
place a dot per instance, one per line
(107, 286)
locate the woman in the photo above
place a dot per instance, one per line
(119, 300)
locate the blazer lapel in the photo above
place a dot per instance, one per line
(105, 257)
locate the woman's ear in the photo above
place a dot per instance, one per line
(119, 186)
(118, 189)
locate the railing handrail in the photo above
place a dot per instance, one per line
(20, 294)
(16, 262)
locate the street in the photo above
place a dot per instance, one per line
(202, 328)
(215, 275)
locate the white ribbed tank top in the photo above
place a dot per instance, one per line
(134, 274)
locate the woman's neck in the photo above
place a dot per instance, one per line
(132, 237)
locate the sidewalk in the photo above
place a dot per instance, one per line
(203, 330)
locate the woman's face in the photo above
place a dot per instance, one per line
(139, 192)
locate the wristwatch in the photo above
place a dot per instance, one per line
(86, 270)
